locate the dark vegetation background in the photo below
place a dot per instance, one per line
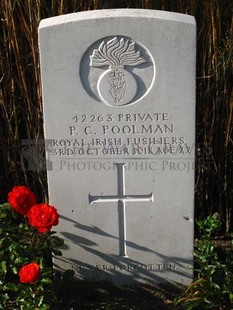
(21, 104)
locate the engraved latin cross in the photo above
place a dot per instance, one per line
(121, 198)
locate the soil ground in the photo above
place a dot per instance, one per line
(82, 295)
(104, 295)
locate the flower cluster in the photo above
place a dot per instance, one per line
(21, 199)
(29, 273)
(41, 216)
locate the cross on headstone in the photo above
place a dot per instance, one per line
(121, 198)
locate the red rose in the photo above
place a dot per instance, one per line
(29, 273)
(43, 217)
(21, 199)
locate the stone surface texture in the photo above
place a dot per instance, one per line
(119, 119)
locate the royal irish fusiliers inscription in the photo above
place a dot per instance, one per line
(110, 135)
(119, 106)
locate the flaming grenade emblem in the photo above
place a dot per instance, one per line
(116, 86)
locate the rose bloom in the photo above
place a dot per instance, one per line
(43, 217)
(29, 273)
(21, 199)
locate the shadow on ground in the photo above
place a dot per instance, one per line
(104, 295)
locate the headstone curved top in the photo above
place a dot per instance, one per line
(119, 118)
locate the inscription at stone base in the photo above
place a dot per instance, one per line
(151, 267)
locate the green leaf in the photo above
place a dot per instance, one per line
(57, 252)
(19, 260)
(57, 241)
(10, 287)
(3, 267)
(46, 281)
(15, 215)
(40, 301)
(14, 269)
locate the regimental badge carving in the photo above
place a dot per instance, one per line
(118, 71)
(117, 86)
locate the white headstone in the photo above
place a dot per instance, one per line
(119, 114)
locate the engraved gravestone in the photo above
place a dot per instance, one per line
(119, 115)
